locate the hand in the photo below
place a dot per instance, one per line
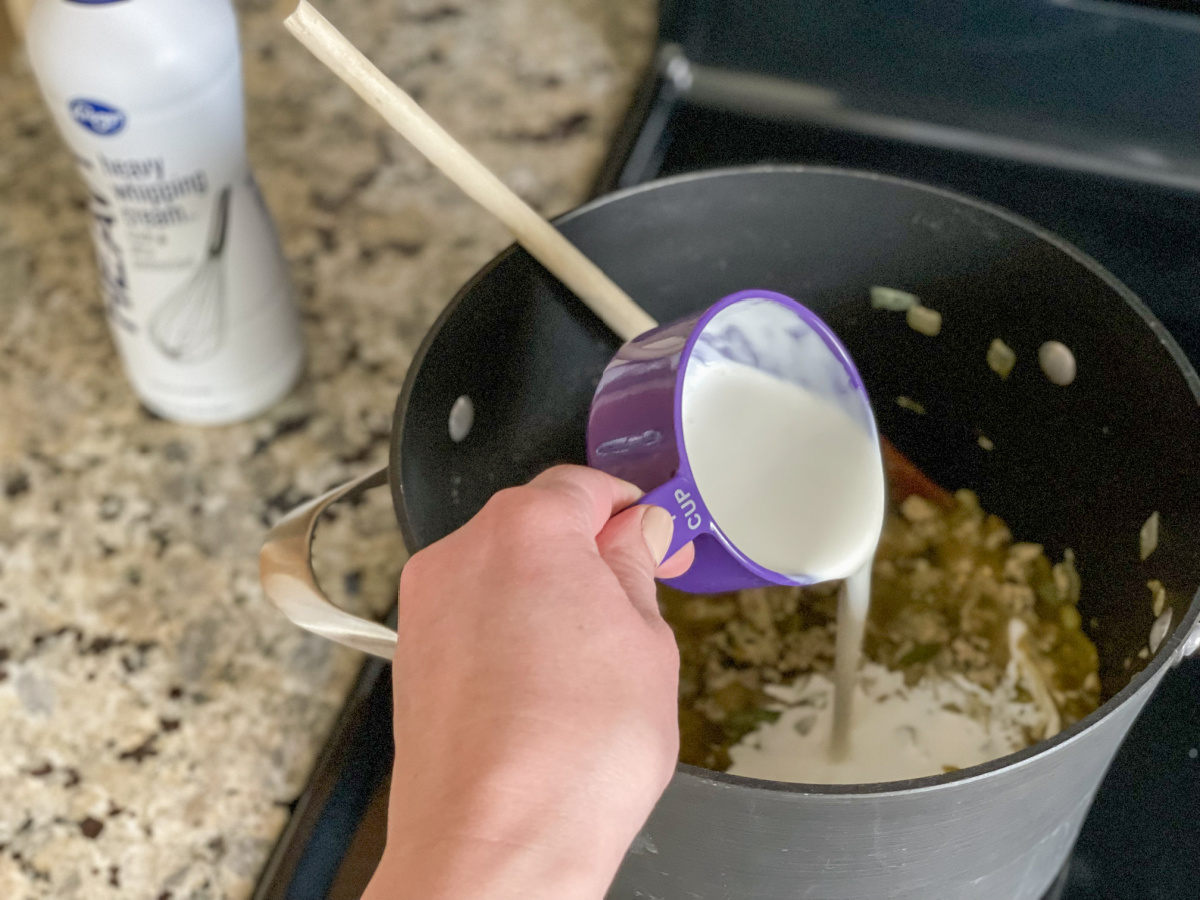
(535, 696)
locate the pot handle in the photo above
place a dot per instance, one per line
(285, 568)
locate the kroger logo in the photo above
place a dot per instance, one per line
(97, 117)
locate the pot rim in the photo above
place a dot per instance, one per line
(1167, 650)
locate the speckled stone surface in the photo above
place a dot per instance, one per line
(157, 716)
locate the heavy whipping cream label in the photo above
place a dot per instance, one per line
(194, 283)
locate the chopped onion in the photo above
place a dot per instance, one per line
(986, 442)
(918, 509)
(910, 404)
(925, 320)
(1149, 535)
(1158, 631)
(1066, 580)
(1001, 358)
(1032, 678)
(1159, 597)
(893, 300)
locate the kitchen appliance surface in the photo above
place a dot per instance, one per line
(1140, 840)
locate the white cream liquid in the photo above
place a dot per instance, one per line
(790, 479)
(898, 732)
(796, 485)
(854, 601)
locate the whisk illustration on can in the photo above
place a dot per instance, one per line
(187, 326)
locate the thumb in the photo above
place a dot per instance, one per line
(633, 544)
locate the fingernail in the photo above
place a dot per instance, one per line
(657, 528)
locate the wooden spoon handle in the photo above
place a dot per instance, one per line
(543, 241)
(904, 479)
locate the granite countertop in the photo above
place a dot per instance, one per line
(157, 715)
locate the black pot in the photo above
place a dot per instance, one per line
(1081, 467)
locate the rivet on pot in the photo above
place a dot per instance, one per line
(1058, 362)
(462, 417)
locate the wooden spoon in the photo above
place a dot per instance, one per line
(905, 479)
(543, 241)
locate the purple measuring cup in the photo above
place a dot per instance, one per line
(636, 432)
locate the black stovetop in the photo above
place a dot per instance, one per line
(1121, 180)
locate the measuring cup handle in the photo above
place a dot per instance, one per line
(680, 498)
